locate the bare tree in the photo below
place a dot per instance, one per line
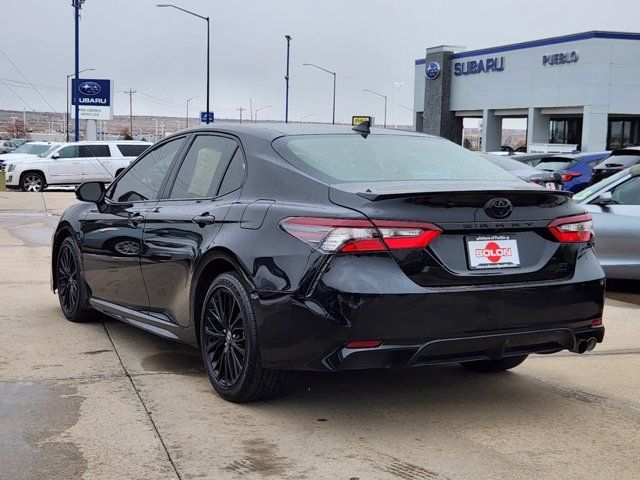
(125, 134)
(17, 129)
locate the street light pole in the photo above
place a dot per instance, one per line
(258, 109)
(333, 118)
(286, 80)
(68, 113)
(188, 100)
(385, 103)
(208, 48)
(395, 113)
(77, 5)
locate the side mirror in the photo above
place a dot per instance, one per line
(91, 192)
(55, 155)
(604, 199)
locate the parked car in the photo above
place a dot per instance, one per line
(614, 205)
(617, 161)
(576, 169)
(318, 247)
(72, 164)
(549, 180)
(7, 146)
(27, 150)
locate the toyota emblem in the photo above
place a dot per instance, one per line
(498, 208)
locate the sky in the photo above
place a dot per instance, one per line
(160, 52)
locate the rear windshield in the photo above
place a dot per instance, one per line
(352, 158)
(131, 150)
(619, 160)
(554, 165)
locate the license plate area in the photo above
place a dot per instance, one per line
(488, 252)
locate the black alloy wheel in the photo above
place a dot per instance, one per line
(229, 343)
(70, 286)
(224, 336)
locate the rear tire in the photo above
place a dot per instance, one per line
(32, 182)
(72, 291)
(494, 366)
(229, 343)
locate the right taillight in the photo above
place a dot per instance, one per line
(335, 235)
(568, 176)
(575, 229)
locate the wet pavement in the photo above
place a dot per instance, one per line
(103, 400)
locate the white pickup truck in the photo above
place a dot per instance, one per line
(72, 164)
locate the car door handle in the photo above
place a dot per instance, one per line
(204, 219)
(134, 219)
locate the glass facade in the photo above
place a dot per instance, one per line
(623, 132)
(565, 130)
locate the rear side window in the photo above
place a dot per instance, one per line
(234, 176)
(143, 180)
(95, 151)
(203, 167)
(352, 158)
(131, 150)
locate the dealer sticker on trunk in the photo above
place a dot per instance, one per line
(492, 251)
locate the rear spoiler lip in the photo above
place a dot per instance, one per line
(374, 197)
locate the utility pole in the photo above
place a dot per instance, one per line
(286, 79)
(251, 109)
(241, 109)
(77, 5)
(131, 92)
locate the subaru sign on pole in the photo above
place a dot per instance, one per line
(94, 98)
(203, 117)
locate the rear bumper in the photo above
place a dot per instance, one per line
(373, 299)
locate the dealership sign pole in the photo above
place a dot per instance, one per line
(77, 5)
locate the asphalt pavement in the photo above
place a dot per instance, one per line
(106, 401)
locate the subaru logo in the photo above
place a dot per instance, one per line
(498, 208)
(89, 88)
(432, 70)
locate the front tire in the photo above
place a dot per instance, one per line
(32, 182)
(72, 292)
(494, 366)
(229, 343)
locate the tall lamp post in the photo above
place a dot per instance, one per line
(286, 81)
(333, 118)
(68, 77)
(261, 108)
(188, 100)
(385, 103)
(395, 113)
(208, 46)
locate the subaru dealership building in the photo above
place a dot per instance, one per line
(579, 91)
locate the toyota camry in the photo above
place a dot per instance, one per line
(307, 247)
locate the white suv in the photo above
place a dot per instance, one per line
(72, 164)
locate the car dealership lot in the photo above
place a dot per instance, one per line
(104, 400)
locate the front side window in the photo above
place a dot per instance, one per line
(144, 179)
(131, 150)
(203, 167)
(69, 152)
(352, 158)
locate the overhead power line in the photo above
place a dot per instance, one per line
(18, 96)
(28, 81)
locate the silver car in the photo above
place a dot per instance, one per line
(614, 204)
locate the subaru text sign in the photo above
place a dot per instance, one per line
(484, 65)
(94, 98)
(203, 117)
(432, 70)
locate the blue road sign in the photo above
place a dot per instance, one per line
(203, 117)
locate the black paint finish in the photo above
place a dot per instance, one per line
(150, 262)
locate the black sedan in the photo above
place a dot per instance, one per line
(616, 162)
(322, 248)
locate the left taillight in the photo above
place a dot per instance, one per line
(575, 229)
(335, 235)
